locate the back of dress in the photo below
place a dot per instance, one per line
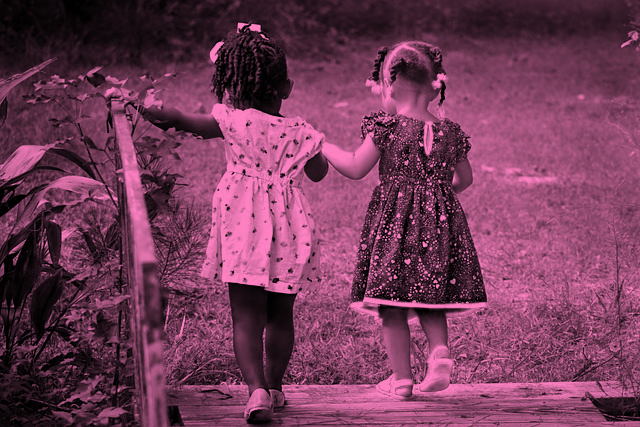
(416, 249)
(262, 230)
(401, 141)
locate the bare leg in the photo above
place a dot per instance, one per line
(395, 330)
(279, 336)
(249, 314)
(434, 325)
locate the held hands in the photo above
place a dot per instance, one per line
(353, 165)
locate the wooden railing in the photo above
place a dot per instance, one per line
(140, 266)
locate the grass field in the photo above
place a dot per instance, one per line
(554, 211)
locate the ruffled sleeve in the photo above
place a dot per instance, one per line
(379, 124)
(460, 144)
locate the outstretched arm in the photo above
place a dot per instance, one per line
(462, 176)
(204, 125)
(353, 165)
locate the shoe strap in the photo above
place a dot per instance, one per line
(402, 383)
(437, 350)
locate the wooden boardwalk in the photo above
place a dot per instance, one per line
(513, 404)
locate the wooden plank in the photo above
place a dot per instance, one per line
(140, 261)
(460, 404)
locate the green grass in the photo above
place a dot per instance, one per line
(552, 177)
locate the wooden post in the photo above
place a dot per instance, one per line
(140, 264)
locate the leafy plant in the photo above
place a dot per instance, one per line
(76, 327)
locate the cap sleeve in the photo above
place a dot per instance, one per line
(379, 124)
(313, 140)
(460, 144)
(222, 114)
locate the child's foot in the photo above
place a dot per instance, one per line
(439, 369)
(259, 409)
(277, 396)
(396, 388)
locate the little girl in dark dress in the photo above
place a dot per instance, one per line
(416, 256)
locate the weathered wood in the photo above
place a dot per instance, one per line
(146, 305)
(461, 404)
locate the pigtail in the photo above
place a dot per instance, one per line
(399, 65)
(377, 64)
(435, 54)
(374, 80)
(442, 88)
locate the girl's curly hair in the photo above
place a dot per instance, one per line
(416, 61)
(250, 67)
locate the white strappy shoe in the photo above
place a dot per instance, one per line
(439, 370)
(402, 389)
(259, 408)
(277, 397)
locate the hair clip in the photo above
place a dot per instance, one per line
(214, 52)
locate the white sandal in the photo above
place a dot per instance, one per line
(396, 388)
(439, 370)
(277, 397)
(259, 408)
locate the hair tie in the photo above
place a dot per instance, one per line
(437, 83)
(375, 86)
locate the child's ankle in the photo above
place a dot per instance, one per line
(440, 352)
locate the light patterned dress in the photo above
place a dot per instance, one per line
(416, 249)
(262, 230)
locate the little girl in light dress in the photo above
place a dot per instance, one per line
(262, 229)
(263, 242)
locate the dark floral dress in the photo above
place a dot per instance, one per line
(416, 249)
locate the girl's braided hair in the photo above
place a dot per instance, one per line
(250, 67)
(416, 61)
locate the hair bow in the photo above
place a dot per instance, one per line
(213, 54)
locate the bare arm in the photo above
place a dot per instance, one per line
(204, 125)
(353, 165)
(462, 176)
(317, 168)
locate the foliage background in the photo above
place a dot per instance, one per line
(130, 29)
(543, 88)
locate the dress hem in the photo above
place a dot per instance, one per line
(370, 306)
(280, 287)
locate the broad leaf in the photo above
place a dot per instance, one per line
(85, 188)
(75, 159)
(27, 270)
(111, 412)
(54, 240)
(23, 159)
(96, 79)
(16, 239)
(65, 416)
(44, 298)
(7, 85)
(4, 108)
